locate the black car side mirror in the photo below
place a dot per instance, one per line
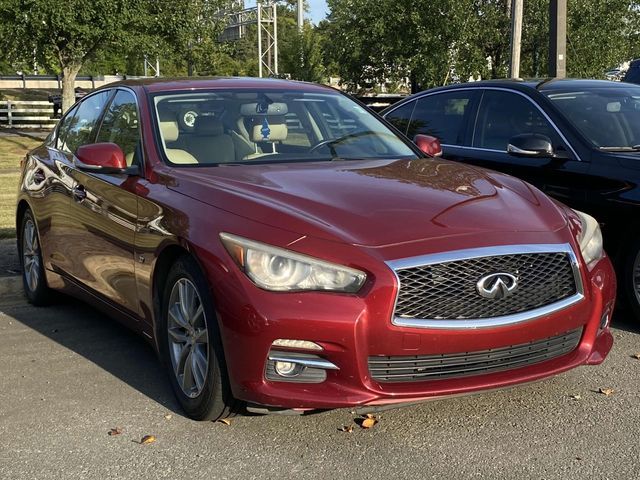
(530, 145)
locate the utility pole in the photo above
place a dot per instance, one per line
(516, 37)
(558, 38)
(300, 15)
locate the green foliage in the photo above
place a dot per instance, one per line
(302, 56)
(436, 42)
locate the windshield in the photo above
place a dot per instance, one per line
(243, 126)
(608, 117)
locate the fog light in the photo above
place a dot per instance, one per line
(297, 367)
(287, 369)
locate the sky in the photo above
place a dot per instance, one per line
(317, 9)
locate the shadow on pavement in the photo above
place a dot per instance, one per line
(101, 340)
(623, 319)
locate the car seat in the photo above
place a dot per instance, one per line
(169, 132)
(210, 144)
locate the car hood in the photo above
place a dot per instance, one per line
(373, 203)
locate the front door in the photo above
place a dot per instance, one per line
(105, 210)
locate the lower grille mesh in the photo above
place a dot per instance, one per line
(426, 367)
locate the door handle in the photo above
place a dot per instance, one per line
(79, 193)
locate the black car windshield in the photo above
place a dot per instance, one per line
(242, 126)
(609, 117)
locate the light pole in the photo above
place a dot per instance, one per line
(558, 38)
(516, 37)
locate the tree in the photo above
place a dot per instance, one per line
(388, 41)
(72, 32)
(436, 42)
(301, 57)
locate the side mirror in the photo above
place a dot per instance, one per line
(428, 144)
(102, 158)
(530, 145)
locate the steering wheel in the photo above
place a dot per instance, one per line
(324, 143)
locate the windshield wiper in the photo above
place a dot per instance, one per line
(634, 148)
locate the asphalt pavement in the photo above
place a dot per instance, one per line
(69, 375)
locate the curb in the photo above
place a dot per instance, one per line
(10, 287)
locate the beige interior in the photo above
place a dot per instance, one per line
(210, 144)
(170, 133)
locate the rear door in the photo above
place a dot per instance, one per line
(105, 209)
(448, 116)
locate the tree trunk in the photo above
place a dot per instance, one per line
(69, 74)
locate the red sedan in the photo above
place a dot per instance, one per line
(282, 247)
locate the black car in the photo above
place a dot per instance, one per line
(577, 140)
(633, 73)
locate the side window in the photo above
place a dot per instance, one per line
(401, 116)
(120, 126)
(338, 123)
(82, 126)
(503, 115)
(297, 134)
(443, 115)
(63, 129)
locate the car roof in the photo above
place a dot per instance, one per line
(542, 85)
(163, 84)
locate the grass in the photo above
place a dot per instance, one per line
(12, 150)
(25, 94)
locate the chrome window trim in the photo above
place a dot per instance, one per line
(482, 89)
(467, 254)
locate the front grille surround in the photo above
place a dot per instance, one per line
(434, 260)
(420, 368)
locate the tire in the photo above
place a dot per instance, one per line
(194, 358)
(631, 279)
(34, 281)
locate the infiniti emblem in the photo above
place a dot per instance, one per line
(497, 285)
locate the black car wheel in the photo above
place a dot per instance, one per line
(191, 346)
(632, 279)
(33, 277)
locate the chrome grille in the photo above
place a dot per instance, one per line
(433, 367)
(448, 290)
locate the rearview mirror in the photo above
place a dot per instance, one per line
(530, 145)
(428, 144)
(101, 157)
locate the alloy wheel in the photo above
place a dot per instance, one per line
(636, 276)
(31, 255)
(188, 337)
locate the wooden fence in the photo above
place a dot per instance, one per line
(26, 114)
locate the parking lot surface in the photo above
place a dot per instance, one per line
(69, 375)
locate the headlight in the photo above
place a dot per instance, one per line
(590, 238)
(277, 269)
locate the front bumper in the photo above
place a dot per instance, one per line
(350, 330)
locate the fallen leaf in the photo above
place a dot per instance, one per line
(168, 416)
(606, 391)
(370, 415)
(147, 439)
(346, 428)
(226, 421)
(369, 422)
(114, 431)
(576, 396)
(636, 356)
(578, 458)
